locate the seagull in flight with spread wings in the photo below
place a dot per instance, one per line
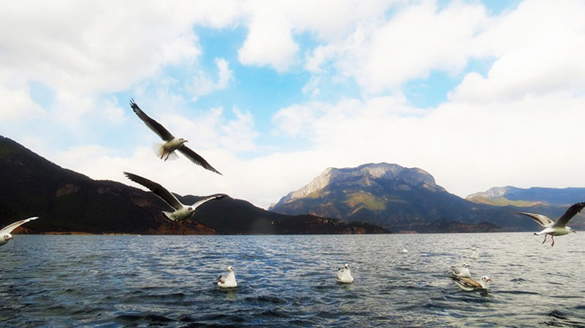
(181, 211)
(167, 150)
(558, 228)
(5, 235)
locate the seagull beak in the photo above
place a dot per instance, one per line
(575, 231)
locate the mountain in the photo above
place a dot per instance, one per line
(535, 196)
(68, 202)
(396, 198)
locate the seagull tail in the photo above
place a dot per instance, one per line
(159, 150)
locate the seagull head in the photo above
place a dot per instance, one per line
(229, 269)
(346, 266)
(183, 140)
(571, 229)
(7, 237)
(486, 279)
(465, 265)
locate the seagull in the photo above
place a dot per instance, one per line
(182, 212)
(344, 275)
(474, 254)
(229, 281)
(404, 251)
(558, 228)
(461, 271)
(5, 235)
(172, 143)
(468, 284)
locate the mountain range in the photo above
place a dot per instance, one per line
(69, 202)
(408, 200)
(371, 198)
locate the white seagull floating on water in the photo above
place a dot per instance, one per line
(467, 284)
(5, 235)
(229, 281)
(344, 275)
(172, 143)
(461, 271)
(182, 212)
(474, 254)
(558, 228)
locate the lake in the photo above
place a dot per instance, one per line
(289, 281)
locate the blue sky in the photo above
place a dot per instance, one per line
(271, 93)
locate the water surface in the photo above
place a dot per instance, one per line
(169, 281)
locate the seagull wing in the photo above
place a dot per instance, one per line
(221, 279)
(157, 189)
(205, 200)
(468, 282)
(12, 226)
(543, 220)
(196, 158)
(155, 126)
(574, 209)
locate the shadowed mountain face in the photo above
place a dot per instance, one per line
(67, 201)
(397, 198)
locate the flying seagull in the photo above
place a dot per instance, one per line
(343, 275)
(172, 143)
(181, 212)
(553, 228)
(5, 235)
(467, 284)
(229, 281)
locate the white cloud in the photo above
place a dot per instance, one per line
(383, 54)
(203, 85)
(269, 40)
(93, 47)
(16, 99)
(538, 48)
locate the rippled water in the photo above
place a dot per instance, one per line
(141, 281)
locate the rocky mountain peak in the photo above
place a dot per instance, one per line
(401, 177)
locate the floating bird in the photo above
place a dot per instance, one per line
(229, 281)
(172, 143)
(558, 228)
(474, 254)
(344, 275)
(468, 284)
(404, 251)
(182, 212)
(461, 271)
(5, 235)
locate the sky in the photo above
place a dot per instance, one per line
(271, 93)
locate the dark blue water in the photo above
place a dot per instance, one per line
(169, 281)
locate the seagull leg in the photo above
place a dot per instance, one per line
(544, 241)
(553, 239)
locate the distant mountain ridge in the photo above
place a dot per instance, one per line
(535, 196)
(67, 202)
(394, 197)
